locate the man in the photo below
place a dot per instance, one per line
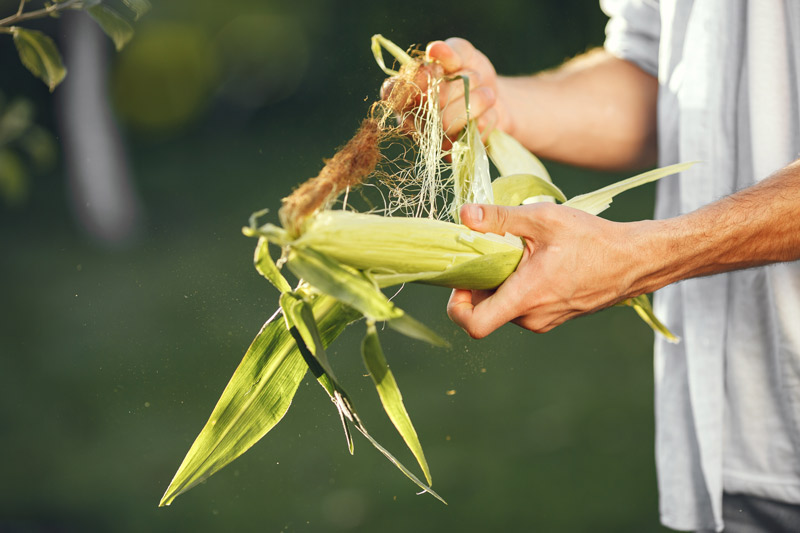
(717, 81)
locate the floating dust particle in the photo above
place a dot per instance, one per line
(451, 392)
(147, 404)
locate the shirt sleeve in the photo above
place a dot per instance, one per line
(633, 30)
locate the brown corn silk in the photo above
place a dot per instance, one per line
(349, 167)
(358, 159)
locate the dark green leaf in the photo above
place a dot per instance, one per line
(139, 7)
(113, 24)
(39, 54)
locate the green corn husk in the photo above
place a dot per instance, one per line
(510, 157)
(395, 250)
(256, 398)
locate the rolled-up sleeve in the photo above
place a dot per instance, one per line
(632, 32)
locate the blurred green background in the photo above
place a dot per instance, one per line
(113, 355)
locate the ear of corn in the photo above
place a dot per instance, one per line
(396, 250)
(342, 259)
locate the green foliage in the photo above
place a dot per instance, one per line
(39, 53)
(13, 179)
(166, 76)
(114, 25)
(22, 144)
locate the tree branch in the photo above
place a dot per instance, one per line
(39, 13)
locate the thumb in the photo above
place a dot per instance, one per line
(488, 218)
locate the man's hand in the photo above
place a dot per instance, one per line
(459, 58)
(574, 263)
(596, 110)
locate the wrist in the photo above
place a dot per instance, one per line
(657, 257)
(520, 112)
(505, 119)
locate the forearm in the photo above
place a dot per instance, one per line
(595, 111)
(755, 226)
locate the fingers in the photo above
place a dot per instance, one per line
(479, 313)
(481, 102)
(453, 54)
(458, 57)
(469, 315)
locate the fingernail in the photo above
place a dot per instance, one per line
(475, 212)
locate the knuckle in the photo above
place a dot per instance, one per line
(451, 312)
(501, 217)
(476, 332)
(461, 46)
